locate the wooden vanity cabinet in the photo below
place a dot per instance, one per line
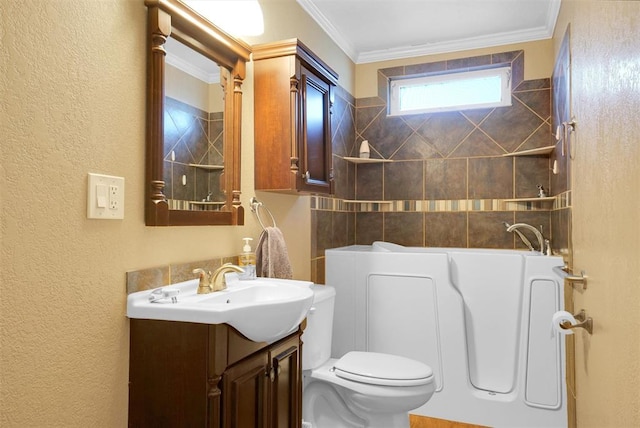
(293, 96)
(188, 375)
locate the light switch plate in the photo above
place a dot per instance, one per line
(105, 197)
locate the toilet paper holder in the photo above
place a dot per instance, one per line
(585, 322)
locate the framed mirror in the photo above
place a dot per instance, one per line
(195, 73)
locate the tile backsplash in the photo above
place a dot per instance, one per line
(147, 279)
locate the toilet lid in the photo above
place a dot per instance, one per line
(382, 369)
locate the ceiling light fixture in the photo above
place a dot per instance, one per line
(236, 17)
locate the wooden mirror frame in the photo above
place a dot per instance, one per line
(171, 17)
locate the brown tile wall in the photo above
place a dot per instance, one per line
(196, 137)
(449, 183)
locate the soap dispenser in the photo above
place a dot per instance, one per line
(247, 261)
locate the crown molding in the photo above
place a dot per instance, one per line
(192, 69)
(529, 35)
(335, 35)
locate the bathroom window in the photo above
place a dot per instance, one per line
(449, 92)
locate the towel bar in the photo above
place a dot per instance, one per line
(255, 208)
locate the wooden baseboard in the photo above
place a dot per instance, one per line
(426, 422)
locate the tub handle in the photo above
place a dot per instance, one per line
(566, 273)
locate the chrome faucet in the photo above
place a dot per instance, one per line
(541, 241)
(211, 282)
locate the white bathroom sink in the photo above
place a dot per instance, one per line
(264, 309)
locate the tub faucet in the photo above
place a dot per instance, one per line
(211, 282)
(541, 241)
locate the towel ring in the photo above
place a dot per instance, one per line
(255, 207)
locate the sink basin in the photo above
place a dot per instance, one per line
(264, 309)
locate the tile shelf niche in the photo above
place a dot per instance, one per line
(205, 203)
(533, 199)
(207, 167)
(354, 201)
(532, 152)
(365, 160)
(539, 151)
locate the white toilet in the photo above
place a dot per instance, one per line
(361, 389)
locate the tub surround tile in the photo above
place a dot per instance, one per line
(445, 229)
(445, 179)
(510, 126)
(366, 115)
(369, 228)
(530, 171)
(491, 178)
(396, 177)
(486, 230)
(477, 144)
(445, 131)
(369, 179)
(340, 228)
(477, 116)
(561, 231)
(425, 68)
(414, 148)
(560, 181)
(541, 137)
(402, 228)
(538, 101)
(470, 62)
(324, 234)
(537, 219)
(466, 181)
(386, 134)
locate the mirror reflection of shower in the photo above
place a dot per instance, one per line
(193, 130)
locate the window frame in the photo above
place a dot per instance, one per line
(395, 83)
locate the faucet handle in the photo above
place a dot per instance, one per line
(204, 287)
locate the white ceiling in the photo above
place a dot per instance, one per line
(379, 30)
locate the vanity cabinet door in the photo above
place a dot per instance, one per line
(167, 374)
(293, 95)
(245, 396)
(198, 375)
(286, 381)
(314, 137)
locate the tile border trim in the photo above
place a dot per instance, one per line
(323, 203)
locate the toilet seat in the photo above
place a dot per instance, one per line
(382, 369)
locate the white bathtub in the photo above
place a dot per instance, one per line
(480, 318)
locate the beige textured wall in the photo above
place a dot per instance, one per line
(285, 19)
(538, 63)
(605, 46)
(73, 102)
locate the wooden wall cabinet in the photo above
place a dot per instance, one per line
(293, 96)
(187, 375)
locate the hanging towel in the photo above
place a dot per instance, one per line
(271, 254)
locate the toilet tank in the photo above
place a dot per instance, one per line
(316, 338)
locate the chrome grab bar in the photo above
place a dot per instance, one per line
(566, 273)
